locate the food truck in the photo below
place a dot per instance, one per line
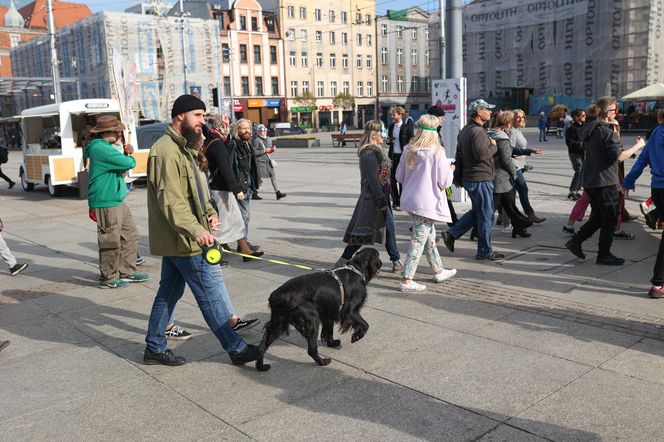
(52, 143)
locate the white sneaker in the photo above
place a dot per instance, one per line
(444, 275)
(506, 230)
(412, 286)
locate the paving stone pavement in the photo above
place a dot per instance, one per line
(539, 346)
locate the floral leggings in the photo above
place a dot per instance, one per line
(422, 240)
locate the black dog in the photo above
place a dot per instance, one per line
(310, 300)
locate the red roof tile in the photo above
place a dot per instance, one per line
(64, 13)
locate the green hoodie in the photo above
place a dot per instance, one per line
(107, 186)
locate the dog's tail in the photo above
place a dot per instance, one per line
(274, 328)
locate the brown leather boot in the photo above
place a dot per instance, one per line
(536, 219)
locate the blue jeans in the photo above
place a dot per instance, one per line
(209, 290)
(390, 240)
(542, 134)
(244, 210)
(522, 188)
(480, 215)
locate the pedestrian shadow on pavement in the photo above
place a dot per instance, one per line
(379, 401)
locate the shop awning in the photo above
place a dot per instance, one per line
(650, 93)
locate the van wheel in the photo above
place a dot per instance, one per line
(28, 187)
(54, 191)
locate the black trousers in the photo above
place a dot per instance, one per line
(5, 177)
(605, 204)
(507, 201)
(658, 271)
(395, 187)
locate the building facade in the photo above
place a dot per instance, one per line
(581, 49)
(404, 60)
(329, 49)
(153, 45)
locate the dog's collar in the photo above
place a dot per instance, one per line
(332, 272)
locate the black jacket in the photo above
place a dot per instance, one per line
(406, 133)
(573, 139)
(603, 147)
(244, 164)
(220, 165)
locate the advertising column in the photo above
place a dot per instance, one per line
(450, 95)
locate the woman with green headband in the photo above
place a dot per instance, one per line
(424, 172)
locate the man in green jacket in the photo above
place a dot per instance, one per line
(117, 235)
(181, 220)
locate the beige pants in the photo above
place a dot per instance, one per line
(117, 237)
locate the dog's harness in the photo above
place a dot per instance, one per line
(332, 273)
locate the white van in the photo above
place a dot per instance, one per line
(53, 138)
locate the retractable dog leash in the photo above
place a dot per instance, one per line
(213, 254)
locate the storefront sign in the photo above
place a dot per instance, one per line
(272, 102)
(304, 109)
(327, 107)
(255, 102)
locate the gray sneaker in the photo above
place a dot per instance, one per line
(397, 267)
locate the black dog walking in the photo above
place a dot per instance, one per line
(324, 298)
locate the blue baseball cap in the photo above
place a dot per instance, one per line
(479, 104)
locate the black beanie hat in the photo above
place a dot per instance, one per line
(186, 103)
(436, 111)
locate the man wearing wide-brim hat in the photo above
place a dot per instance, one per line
(117, 235)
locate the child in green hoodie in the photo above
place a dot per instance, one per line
(117, 235)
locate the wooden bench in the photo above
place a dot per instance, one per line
(340, 140)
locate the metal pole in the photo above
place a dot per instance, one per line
(54, 55)
(453, 38)
(441, 55)
(184, 49)
(231, 65)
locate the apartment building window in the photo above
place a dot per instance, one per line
(333, 61)
(358, 39)
(319, 60)
(426, 55)
(303, 34)
(344, 38)
(291, 34)
(399, 56)
(369, 62)
(293, 88)
(269, 22)
(367, 18)
(413, 57)
(333, 88)
(426, 34)
(305, 87)
(243, 53)
(291, 58)
(333, 38)
(304, 59)
(291, 11)
(368, 39)
(225, 51)
(331, 16)
(257, 54)
(358, 62)
(346, 87)
(319, 36)
(399, 31)
(243, 23)
(399, 83)
(383, 29)
(344, 17)
(320, 89)
(254, 24)
(369, 88)
(383, 55)
(227, 86)
(275, 85)
(414, 86)
(360, 89)
(273, 55)
(344, 61)
(303, 13)
(245, 86)
(317, 14)
(414, 33)
(386, 84)
(358, 18)
(259, 86)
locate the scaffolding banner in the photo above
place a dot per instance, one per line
(611, 47)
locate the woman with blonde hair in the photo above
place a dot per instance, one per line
(425, 173)
(372, 212)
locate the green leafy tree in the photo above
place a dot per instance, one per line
(344, 101)
(306, 99)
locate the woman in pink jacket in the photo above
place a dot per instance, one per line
(425, 174)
